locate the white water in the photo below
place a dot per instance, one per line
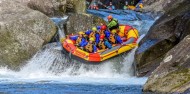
(50, 65)
(59, 23)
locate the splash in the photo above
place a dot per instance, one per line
(50, 64)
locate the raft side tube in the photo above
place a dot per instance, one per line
(116, 50)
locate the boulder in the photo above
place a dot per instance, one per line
(48, 7)
(76, 6)
(173, 74)
(54, 8)
(161, 5)
(166, 32)
(82, 22)
(23, 32)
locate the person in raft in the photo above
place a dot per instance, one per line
(104, 31)
(112, 23)
(90, 46)
(104, 43)
(80, 39)
(93, 34)
(115, 38)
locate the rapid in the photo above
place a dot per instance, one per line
(51, 66)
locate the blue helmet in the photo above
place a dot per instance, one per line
(98, 27)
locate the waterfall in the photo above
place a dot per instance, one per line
(59, 22)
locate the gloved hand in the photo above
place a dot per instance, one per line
(122, 44)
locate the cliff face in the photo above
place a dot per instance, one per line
(173, 73)
(161, 5)
(163, 54)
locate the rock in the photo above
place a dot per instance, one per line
(161, 5)
(49, 7)
(82, 22)
(76, 6)
(166, 32)
(22, 33)
(55, 7)
(173, 74)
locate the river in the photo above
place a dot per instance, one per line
(51, 72)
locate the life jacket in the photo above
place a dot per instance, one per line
(78, 41)
(102, 32)
(141, 5)
(92, 35)
(101, 45)
(112, 39)
(89, 47)
(131, 7)
(116, 22)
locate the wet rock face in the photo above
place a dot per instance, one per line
(167, 32)
(161, 5)
(82, 22)
(22, 33)
(173, 74)
(164, 53)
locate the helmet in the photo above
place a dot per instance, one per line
(94, 29)
(81, 32)
(102, 37)
(114, 31)
(103, 27)
(91, 39)
(110, 17)
(110, 3)
(98, 27)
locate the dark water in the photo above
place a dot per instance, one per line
(52, 88)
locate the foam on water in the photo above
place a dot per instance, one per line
(48, 65)
(52, 66)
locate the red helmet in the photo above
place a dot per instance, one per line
(110, 17)
(102, 37)
(103, 27)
